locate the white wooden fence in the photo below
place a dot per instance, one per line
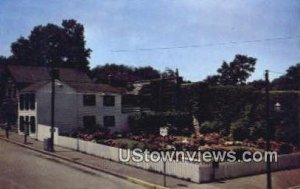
(195, 172)
(238, 169)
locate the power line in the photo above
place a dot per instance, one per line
(208, 44)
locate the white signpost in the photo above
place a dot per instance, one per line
(163, 131)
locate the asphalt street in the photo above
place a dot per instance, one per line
(21, 168)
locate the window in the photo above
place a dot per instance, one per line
(22, 123)
(26, 98)
(32, 124)
(27, 101)
(108, 100)
(31, 98)
(109, 121)
(89, 121)
(89, 100)
(30, 120)
(22, 101)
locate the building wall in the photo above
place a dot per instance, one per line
(99, 110)
(70, 110)
(65, 106)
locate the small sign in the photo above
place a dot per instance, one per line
(163, 131)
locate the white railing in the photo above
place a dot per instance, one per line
(195, 172)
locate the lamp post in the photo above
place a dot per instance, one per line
(268, 134)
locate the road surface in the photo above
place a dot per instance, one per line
(22, 168)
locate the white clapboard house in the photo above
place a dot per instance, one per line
(76, 105)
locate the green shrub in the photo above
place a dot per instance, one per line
(179, 123)
(209, 127)
(239, 131)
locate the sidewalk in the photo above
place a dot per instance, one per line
(282, 179)
(102, 164)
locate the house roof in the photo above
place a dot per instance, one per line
(95, 88)
(79, 87)
(32, 74)
(34, 87)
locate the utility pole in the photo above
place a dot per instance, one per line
(53, 74)
(26, 130)
(177, 89)
(165, 177)
(268, 134)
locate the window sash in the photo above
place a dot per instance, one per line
(89, 100)
(109, 100)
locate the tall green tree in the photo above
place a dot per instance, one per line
(290, 80)
(3, 60)
(146, 72)
(235, 72)
(121, 74)
(64, 46)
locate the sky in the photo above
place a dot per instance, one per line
(216, 29)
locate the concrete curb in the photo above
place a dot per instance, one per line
(130, 179)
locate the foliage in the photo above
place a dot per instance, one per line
(90, 129)
(169, 73)
(239, 111)
(121, 74)
(178, 123)
(290, 80)
(62, 45)
(286, 121)
(238, 130)
(209, 127)
(258, 84)
(3, 60)
(285, 148)
(234, 73)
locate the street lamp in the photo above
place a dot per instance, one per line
(268, 130)
(277, 107)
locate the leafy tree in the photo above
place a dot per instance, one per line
(168, 73)
(146, 72)
(62, 45)
(121, 74)
(234, 73)
(3, 60)
(258, 84)
(212, 80)
(289, 81)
